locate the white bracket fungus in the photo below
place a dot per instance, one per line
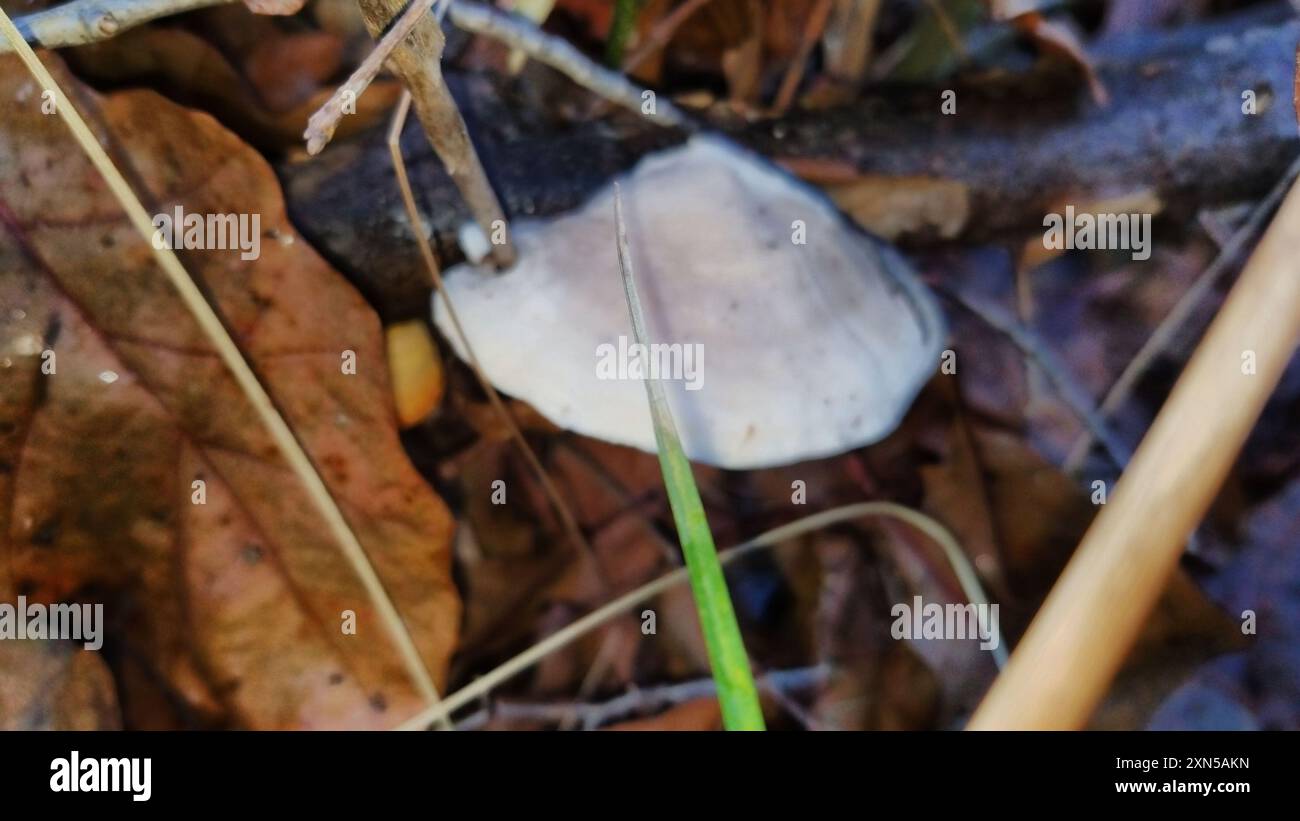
(782, 332)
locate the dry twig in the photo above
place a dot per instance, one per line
(1080, 637)
(206, 318)
(418, 60)
(661, 33)
(321, 126)
(639, 700)
(567, 519)
(89, 21)
(848, 41)
(602, 615)
(559, 54)
(794, 74)
(1057, 373)
(1172, 324)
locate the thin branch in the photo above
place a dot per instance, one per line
(661, 33)
(606, 613)
(88, 21)
(640, 700)
(1172, 324)
(794, 73)
(520, 33)
(418, 61)
(1057, 373)
(600, 666)
(1094, 614)
(629, 504)
(849, 40)
(211, 325)
(321, 126)
(796, 710)
(567, 519)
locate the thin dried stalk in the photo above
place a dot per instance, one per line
(1169, 328)
(226, 348)
(89, 21)
(567, 519)
(640, 700)
(848, 39)
(1077, 642)
(1057, 373)
(561, 55)
(418, 60)
(323, 123)
(608, 612)
(661, 33)
(794, 74)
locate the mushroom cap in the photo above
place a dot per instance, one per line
(808, 350)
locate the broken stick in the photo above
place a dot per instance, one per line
(418, 59)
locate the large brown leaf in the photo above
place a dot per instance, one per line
(57, 687)
(234, 605)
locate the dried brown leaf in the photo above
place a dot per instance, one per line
(238, 601)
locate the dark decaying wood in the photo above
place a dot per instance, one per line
(1020, 146)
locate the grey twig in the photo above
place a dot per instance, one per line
(90, 21)
(639, 701)
(322, 124)
(1168, 329)
(1057, 373)
(562, 56)
(418, 61)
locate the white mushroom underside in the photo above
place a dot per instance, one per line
(809, 350)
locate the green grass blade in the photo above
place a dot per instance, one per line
(730, 663)
(620, 31)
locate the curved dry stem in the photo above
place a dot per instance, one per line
(561, 638)
(1173, 323)
(661, 33)
(813, 30)
(233, 359)
(1057, 373)
(567, 519)
(89, 21)
(561, 55)
(322, 124)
